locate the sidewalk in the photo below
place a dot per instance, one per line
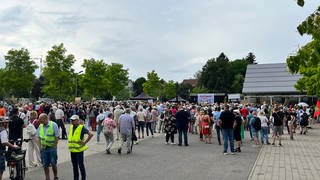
(297, 159)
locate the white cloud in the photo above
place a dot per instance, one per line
(175, 38)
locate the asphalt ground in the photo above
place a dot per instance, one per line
(153, 159)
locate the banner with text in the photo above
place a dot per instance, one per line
(205, 98)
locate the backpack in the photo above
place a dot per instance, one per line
(256, 123)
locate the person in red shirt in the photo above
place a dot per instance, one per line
(3, 111)
(244, 113)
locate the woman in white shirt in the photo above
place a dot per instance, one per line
(264, 127)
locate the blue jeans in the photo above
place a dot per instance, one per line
(149, 127)
(249, 127)
(185, 136)
(228, 135)
(264, 134)
(99, 130)
(77, 163)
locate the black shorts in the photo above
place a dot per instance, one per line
(237, 135)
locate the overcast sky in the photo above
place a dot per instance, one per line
(173, 37)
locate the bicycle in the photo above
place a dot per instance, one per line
(16, 162)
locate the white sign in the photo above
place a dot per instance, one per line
(233, 96)
(205, 98)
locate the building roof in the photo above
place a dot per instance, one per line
(142, 96)
(269, 79)
(192, 82)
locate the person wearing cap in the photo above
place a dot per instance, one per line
(3, 143)
(77, 145)
(48, 136)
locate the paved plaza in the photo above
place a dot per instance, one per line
(152, 159)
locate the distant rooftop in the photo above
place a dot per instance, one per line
(269, 79)
(192, 82)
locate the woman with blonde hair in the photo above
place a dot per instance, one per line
(33, 148)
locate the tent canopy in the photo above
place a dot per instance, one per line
(180, 99)
(142, 96)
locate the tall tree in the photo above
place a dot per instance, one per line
(37, 86)
(58, 73)
(18, 76)
(153, 84)
(251, 58)
(116, 78)
(93, 80)
(137, 85)
(169, 90)
(307, 60)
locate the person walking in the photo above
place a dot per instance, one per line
(169, 126)
(255, 124)
(141, 123)
(227, 120)
(48, 137)
(101, 117)
(264, 128)
(126, 125)
(182, 121)
(277, 120)
(237, 129)
(108, 125)
(33, 148)
(4, 141)
(77, 145)
(59, 115)
(117, 113)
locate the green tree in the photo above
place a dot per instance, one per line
(153, 84)
(18, 73)
(94, 78)
(37, 86)
(307, 60)
(215, 74)
(2, 89)
(116, 78)
(137, 85)
(58, 73)
(169, 90)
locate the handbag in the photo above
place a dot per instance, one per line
(134, 137)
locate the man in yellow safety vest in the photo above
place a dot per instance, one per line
(48, 136)
(77, 146)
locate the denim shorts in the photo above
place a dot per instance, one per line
(49, 157)
(255, 133)
(2, 163)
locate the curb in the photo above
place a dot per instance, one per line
(255, 162)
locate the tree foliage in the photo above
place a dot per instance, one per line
(307, 60)
(116, 78)
(37, 87)
(153, 84)
(58, 73)
(169, 90)
(222, 75)
(137, 85)
(18, 74)
(93, 79)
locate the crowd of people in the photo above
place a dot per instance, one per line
(129, 122)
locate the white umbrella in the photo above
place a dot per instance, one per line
(303, 104)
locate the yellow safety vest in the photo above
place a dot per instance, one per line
(74, 140)
(47, 139)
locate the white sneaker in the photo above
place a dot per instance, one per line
(172, 143)
(167, 143)
(232, 153)
(225, 153)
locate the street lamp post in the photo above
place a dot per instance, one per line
(77, 82)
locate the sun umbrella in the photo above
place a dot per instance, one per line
(303, 104)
